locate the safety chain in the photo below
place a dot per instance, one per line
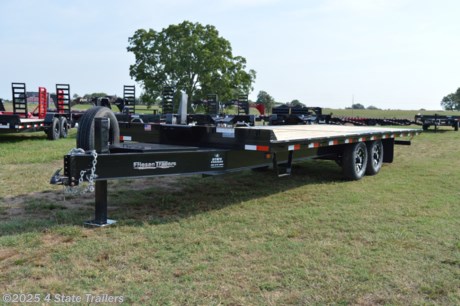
(92, 175)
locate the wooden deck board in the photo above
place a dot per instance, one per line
(307, 132)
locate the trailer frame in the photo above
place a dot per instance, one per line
(437, 120)
(126, 149)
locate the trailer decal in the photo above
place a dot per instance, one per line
(217, 161)
(154, 165)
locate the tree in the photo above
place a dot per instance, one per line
(357, 106)
(267, 100)
(95, 95)
(372, 107)
(451, 101)
(190, 57)
(296, 103)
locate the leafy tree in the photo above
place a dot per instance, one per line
(95, 95)
(372, 107)
(148, 100)
(296, 102)
(357, 106)
(451, 101)
(191, 57)
(267, 100)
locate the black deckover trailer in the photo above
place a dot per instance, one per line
(437, 120)
(112, 149)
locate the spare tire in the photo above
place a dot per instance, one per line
(85, 134)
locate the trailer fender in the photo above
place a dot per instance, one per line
(49, 119)
(388, 148)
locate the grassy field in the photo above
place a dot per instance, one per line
(247, 238)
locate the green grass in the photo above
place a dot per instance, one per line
(247, 238)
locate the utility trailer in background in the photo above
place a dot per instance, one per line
(362, 121)
(115, 150)
(437, 120)
(292, 115)
(54, 122)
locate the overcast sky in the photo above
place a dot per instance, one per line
(401, 54)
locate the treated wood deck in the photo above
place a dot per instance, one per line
(311, 132)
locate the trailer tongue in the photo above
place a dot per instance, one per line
(126, 149)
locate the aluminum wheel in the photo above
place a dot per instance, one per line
(375, 154)
(354, 161)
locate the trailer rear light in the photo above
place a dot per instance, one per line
(268, 156)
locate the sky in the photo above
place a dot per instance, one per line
(391, 54)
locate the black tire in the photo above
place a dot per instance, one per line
(85, 134)
(374, 157)
(64, 127)
(54, 131)
(425, 127)
(354, 161)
